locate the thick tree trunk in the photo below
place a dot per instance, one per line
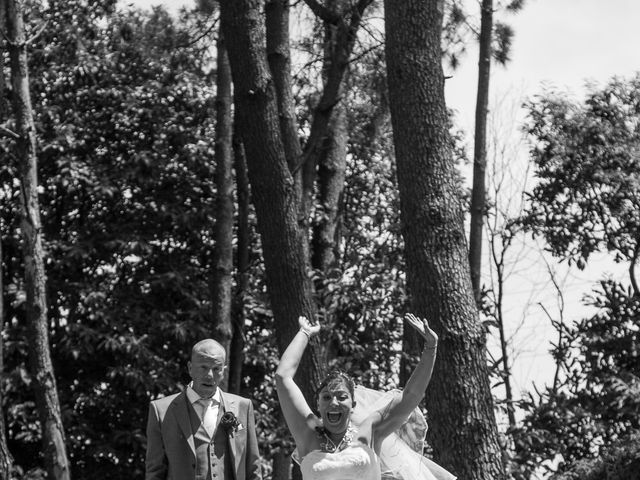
(281, 466)
(463, 429)
(279, 57)
(39, 355)
(242, 264)
(272, 185)
(221, 288)
(478, 192)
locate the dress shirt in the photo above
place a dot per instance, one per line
(206, 408)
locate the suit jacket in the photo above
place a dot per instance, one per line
(171, 451)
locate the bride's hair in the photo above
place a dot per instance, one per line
(336, 377)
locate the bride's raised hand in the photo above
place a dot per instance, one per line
(422, 327)
(308, 328)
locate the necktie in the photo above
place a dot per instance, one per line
(207, 415)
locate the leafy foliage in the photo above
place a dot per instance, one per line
(126, 168)
(125, 130)
(587, 162)
(586, 200)
(461, 27)
(126, 174)
(598, 402)
(620, 461)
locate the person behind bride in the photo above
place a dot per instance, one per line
(342, 443)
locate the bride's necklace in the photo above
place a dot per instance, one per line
(329, 446)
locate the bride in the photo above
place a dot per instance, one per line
(348, 441)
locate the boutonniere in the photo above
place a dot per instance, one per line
(230, 423)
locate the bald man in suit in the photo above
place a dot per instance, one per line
(202, 433)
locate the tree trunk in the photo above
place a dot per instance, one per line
(42, 373)
(279, 57)
(344, 38)
(242, 265)
(332, 159)
(331, 178)
(223, 232)
(463, 429)
(272, 185)
(478, 193)
(281, 466)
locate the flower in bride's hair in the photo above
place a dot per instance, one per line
(229, 422)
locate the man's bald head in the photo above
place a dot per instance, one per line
(209, 348)
(206, 367)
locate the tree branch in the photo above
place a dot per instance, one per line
(632, 269)
(365, 52)
(37, 34)
(202, 35)
(8, 133)
(27, 42)
(6, 39)
(323, 13)
(361, 6)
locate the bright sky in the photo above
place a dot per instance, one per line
(564, 43)
(560, 42)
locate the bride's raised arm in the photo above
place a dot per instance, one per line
(391, 418)
(295, 408)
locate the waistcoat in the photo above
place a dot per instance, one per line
(211, 454)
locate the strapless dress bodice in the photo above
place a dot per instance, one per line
(356, 462)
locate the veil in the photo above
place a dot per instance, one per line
(401, 455)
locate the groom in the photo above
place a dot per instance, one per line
(202, 433)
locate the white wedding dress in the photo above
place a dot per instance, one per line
(400, 453)
(356, 462)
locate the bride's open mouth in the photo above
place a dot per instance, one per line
(334, 417)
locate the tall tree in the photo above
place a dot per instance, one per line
(331, 184)
(332, 157)
(345, 20)
(463, 427)
(323, 157)
(222, 298)
(272, 184)
(478, 192)
(44, 381)
(279, 58)
(222, 284)
(243, 248)
(494, 41)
